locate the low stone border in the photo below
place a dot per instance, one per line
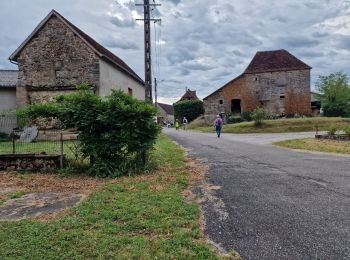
(13, 162)
(334, 137)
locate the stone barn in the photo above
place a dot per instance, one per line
(275, 80)
(57, 56)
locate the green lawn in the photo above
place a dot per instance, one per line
(280, 125)
(141, 217)
(312, 144)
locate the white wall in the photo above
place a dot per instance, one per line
(112, 78)
(7, 98)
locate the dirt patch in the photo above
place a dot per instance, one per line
(44, 196)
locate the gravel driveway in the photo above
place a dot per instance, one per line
(270, 202)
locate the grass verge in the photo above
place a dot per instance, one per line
(280, 125)
(139, 217)
(312, 144)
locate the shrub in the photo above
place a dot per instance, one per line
(332, 130)
(231, 119)
(4, 137)
(115, 132)
(246, 116)
(191, 109)
(258, 115)
(347, 130)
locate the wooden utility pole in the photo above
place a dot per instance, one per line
(148, 58)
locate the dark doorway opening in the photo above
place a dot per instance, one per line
(236, 106)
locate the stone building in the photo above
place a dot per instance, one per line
(166, 113)
(8, 82)
(275, 80)
(57, 56)
(189, 95)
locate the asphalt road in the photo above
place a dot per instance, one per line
(273, 203)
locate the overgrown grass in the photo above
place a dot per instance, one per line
(281, 125)
(312, 144)
(141, 217)
(16, 194)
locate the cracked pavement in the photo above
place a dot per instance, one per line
(280, 204)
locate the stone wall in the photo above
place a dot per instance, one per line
(285, 92)
(53, 62)
(28, 162)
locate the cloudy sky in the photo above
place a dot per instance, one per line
(201, 44)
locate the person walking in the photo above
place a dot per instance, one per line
(218, 125)
(184, 122)
(177, 125)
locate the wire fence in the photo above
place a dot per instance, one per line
(18, 139)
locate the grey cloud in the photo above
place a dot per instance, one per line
(123, 22)
(121, 44)
(320, 34)
(298, 42)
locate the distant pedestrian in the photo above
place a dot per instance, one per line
(177, 125)
(184, 123)
(218, 125)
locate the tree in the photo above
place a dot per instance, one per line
(191, 109)
(334, 94)
(115, 132)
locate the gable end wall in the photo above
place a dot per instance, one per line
(53, 62)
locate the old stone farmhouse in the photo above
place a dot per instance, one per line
(189, 95)
(275, 80)
(57, 56)
(166, 113)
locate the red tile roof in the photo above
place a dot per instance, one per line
(101, 51)
(269, 61)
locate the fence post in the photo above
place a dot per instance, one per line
(61, 157)
(13, 143)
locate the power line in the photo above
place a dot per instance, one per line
(148, 46)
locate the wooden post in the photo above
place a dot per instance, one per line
(61, 157)
(13, 143)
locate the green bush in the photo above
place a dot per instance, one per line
(258, 115)
(115, 132)
(4, 137)
(246, 116)
(332, 130)
(191, 109)
(231, 119)
(347, 130)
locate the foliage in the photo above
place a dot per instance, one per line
(115, 132)
(191, 109)
(334, 94)
(347, 130)
(4, 137)
(246, 116)
(145, 217)
(258, 115)
(231, 119)
(332, 130)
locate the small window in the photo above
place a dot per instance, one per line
(130, 92)
(221, 101)
(282, 97)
